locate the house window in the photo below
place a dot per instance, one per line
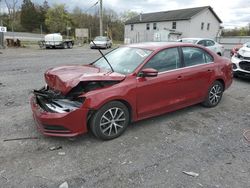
(173, 25)
(155, 26)
(208, 26)
(132, 27)
(202, 25)
(148, 26)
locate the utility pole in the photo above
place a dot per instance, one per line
(1, 21)
(41, 29)
(1, 24)
(101, 15)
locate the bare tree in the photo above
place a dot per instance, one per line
(11, 6)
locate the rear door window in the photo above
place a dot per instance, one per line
(195, 56)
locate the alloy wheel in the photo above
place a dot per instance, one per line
(112, 121)
(215, 94)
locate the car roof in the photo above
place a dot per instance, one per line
(197, 39)
(158, 45)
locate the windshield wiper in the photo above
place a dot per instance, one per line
(103, 56)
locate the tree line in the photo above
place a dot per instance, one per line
(242, 31)
(37, 18)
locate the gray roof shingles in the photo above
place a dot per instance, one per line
(172, 15)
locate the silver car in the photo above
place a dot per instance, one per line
(101, 42)
(208, 43)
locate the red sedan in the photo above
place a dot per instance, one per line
(128, 84)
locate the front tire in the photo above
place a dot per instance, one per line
(110, 121)
(214, 95)
(65, 45)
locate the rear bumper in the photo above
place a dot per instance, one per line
(68, 124)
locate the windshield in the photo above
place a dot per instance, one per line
(123, 60)
(189, 41)
(100, 38)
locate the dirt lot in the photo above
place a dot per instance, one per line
(151, 153)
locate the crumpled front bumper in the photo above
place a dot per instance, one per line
(68, 124)
(238, 70)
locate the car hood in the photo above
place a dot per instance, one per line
(244, 51)
(65, 78)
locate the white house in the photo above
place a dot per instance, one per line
(199, 22)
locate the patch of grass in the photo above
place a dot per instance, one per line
(29, 43)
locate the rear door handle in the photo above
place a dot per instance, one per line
(209, 70)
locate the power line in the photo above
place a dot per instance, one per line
(86, 10)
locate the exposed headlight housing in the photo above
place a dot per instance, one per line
(64, 105)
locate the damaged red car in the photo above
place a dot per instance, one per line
(128, 84)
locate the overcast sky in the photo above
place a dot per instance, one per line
(231, 12)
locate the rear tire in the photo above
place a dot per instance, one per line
(70, 45)
(214, 95)
(110, 121)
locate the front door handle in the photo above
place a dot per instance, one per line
(179, 77)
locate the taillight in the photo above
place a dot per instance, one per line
(236, 54)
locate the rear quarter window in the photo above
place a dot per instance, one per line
(210, 43)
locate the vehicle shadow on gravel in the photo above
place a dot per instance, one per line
(169, 121)
(241, 79)
(166, 123)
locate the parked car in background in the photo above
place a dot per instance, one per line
(101, 42)
(235, 49)
(128, 84)
(208, 43)
(55, 40)
(241, 61)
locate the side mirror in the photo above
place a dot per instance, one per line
(149, 72)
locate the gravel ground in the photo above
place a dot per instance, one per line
(151, 153)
